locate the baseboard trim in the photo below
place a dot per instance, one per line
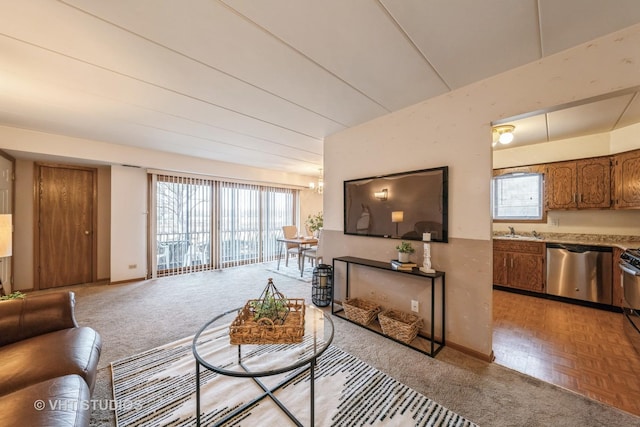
(120, 282)
(462, 349)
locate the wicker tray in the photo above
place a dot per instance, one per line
(400, 325)
(360, 310)
(245, 330)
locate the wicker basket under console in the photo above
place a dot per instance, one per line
(400, 325)
(360, 310)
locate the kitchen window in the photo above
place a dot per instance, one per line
(518, 196)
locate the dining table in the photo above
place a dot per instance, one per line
(303, 242)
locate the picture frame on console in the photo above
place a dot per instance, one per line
(399, 206)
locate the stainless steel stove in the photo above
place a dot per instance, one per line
(630, 266)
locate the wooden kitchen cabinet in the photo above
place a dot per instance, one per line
(519, 264)
(579, 184)
(627, 179)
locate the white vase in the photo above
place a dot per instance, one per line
(403, 256)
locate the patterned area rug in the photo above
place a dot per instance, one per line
(157, 388)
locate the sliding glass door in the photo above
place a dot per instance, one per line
(202, 224)
(251, 216)
(183, 224)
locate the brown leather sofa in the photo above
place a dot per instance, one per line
(48, 363)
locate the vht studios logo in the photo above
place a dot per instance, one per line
(75, 405)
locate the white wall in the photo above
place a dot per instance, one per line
(555, 151)
(625, 139)
(129, 213)
(23, 226)
(454, 130)
(310, 204)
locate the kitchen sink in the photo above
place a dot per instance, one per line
(519, 236)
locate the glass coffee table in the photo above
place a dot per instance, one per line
(213, 351)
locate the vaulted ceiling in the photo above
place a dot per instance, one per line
(263, 82)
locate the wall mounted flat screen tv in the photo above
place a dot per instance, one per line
(399, 206)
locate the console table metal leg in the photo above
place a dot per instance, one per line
(443, 306)
(433, 327)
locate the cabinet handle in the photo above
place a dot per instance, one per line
(511, 262)
(574, 197)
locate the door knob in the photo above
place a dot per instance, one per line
(87, 232)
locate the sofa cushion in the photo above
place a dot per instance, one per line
(63, 401)
(35, 315)
(30, 361)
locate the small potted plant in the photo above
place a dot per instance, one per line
(404, 250)
(13, 295)
(314, 223)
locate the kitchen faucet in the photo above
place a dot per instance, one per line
(512, 231)
(535, 234)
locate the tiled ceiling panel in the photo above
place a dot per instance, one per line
(493, 35)
(567, 23)
(602, 117)
(263, 82)
(354, 40)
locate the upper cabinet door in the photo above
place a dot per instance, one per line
(593, 178)
(560, 182)
(627, 179)
(580, 184)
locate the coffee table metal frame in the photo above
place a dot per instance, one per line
(300, 365)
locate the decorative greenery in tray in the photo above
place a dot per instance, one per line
(271, 305)
(270, 319)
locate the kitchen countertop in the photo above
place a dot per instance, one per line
(623, 242)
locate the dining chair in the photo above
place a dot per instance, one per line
(314, 253)
(290, 232)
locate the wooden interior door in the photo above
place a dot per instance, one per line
(66, 220)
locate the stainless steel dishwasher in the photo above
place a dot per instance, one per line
(579, 271)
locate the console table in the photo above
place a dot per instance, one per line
(434, 345)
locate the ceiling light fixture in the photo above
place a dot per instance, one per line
(318, 186)
(503, 134)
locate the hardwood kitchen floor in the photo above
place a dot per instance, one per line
(579, 348)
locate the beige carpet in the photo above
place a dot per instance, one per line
(159, 386)
(139, 316)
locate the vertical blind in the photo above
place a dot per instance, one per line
(203, 224)
(183, 224)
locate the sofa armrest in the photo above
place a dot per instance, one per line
(36, 315)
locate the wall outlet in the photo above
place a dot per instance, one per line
(414, 306)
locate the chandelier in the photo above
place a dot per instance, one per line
(317, 186)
